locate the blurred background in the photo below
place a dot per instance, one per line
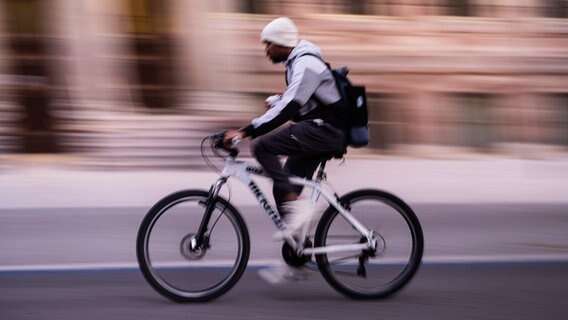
(104, 105)
(138, 83)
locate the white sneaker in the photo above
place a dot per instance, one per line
(280, 274)
(298, 213)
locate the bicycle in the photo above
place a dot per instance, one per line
(368, 244)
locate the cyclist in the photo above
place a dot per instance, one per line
(311, 100)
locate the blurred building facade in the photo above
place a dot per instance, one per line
(145, 79)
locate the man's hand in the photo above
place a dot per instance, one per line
(270, 101)
(232, 134)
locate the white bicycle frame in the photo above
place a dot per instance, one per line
(243, 171)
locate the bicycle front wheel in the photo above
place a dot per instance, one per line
(169, 259)
(377, 273)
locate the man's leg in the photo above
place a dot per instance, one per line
(302, 166)
(304, 143)
(267, 150)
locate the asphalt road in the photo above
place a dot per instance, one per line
(481, 261)
(94, 236)
(439, 291)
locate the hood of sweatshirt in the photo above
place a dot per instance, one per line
(303, 47)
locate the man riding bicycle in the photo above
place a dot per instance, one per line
(311, 100)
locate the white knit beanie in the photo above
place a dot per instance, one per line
(281, 31)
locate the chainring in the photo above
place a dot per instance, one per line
(290, 256)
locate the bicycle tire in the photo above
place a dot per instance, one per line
(152, 272)
(381, 203)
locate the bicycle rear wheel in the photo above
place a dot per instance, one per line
(176, 268)
(380, 272)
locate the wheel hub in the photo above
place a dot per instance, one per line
(189, 249)
(379, 244)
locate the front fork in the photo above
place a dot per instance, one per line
(210, 206)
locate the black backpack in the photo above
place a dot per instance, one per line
(356, 102)
(355, 99)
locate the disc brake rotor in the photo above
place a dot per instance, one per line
(189, 249)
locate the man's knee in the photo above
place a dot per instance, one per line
(259, 148)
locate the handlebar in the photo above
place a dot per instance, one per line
(217, 143)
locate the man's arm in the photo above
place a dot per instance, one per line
(302, 85)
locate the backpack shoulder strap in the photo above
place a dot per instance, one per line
(315, 55)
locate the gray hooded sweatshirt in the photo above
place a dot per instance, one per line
(311, 93)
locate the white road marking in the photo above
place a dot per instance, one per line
(511, 258)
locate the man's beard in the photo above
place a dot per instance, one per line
(276, 60)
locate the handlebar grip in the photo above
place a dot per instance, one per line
(218, 140)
